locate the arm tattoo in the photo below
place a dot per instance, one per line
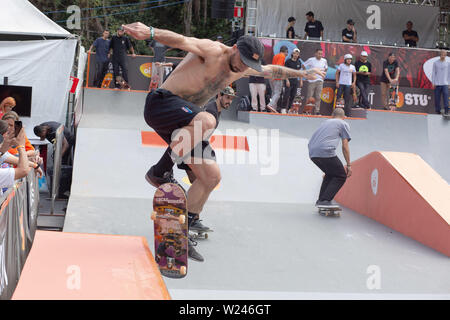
(279, 72)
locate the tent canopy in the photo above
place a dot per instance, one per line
(20, 18)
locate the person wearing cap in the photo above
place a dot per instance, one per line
(277, 84)
(410, 36)
(363, 71)
(119, 46)
(349, 33)
(345, 81)
(290, 32)
(389, 77)
(175, 110)
(315, 86)
(219, 38)
(292, 84)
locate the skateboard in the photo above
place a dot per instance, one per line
(333, 212)
(171, 230)
(123, 84)
(297, 103)
(335, 98)
(108, 76)
(199, 235)
(393, 101)
(157, 76)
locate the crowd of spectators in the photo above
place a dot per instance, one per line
(314, 30)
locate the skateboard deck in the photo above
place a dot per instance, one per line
(108, 76)
(393, 101)
(171, 230)
(333, 212)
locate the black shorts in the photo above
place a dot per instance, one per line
(166, 112)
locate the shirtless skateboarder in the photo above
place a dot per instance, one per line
(174, 110)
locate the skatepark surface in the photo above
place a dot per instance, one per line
(269, 242)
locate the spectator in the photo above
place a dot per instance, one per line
(363, 72)
(292, 84)
(322, 151)
(47, 130)
(349, 33)
(290, 32)
(7, 160)
(7, 105)
(277, 84)
(313, 28)
(119, 46)
(102, 55)
(440, 79)
(315, 86)
(219, 38)
(411, 37)
(257, 87)
(389, 77)
(9, 175)
(11, 117)
(345, 81)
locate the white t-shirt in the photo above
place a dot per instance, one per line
(7, 177)
(314, 63)
(345, 76)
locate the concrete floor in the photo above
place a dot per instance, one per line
(268, 241)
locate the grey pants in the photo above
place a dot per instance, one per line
(277, 86)
(314, 90)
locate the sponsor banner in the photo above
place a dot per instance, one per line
(139, 71)
(415, 64)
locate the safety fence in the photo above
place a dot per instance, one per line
(18, 223)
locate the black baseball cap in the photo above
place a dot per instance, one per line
(251, 51)
(350, 21)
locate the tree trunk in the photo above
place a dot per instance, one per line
(205, 11)
(187, 18)
(197, 6)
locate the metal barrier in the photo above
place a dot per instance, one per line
(18, 222)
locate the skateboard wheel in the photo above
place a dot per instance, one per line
(183, 270)
(182, 219)
(153, 216)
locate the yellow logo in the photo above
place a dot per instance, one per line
(146, 69)
(256, 56)
(327, 95)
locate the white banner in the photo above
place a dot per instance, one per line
(44, 65)
(374, 21)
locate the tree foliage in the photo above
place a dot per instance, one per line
(190, 18)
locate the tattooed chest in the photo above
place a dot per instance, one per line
(208, 89)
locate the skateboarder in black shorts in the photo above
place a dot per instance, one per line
(174, 110)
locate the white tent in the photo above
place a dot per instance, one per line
(20, 17)
(44, 65)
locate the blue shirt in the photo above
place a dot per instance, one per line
(101, 49)
(325, 140)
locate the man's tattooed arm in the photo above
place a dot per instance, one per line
(278, 72)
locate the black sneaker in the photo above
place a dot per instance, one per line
(327, 204)
(446, 112)
(157, 181)
(192, 253)
(198, 226)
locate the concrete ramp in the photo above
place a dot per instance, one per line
(68, 266)
(401, 191)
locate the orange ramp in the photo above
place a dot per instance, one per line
(401, 191)
(66, 266)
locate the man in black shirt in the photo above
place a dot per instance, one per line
(47, 130)
(363, 72)
(292, 84)
(119, 46)
(349, 33)
(389, 77)
(290, 32)
(313, 28)
(411, 37)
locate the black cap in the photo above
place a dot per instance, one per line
(251, 51)
(291, 19)
(350, 21)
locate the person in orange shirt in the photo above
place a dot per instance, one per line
(7, 105)
(11, 117)
(277, 84)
